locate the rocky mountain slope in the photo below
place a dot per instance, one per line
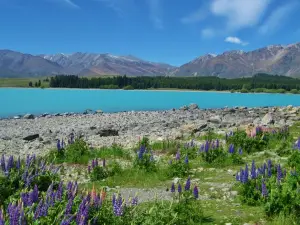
(275, 59)
(98, 64)
(16, 64)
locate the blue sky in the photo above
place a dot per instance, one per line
(171, 31)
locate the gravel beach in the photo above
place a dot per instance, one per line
(38, 135)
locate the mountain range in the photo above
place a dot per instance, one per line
(274, 59)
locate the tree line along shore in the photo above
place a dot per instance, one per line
(259, 83)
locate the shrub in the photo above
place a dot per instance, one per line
(98, 173)
(294, 91)
(178, 167)
(248, 144)
(144, 159)
(271, 186)
(128, 87)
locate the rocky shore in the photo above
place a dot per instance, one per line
(21, 136)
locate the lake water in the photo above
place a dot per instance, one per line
(19, 101)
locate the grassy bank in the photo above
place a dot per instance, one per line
(22, 82)
(214, 189)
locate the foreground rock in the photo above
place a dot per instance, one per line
(23, 136)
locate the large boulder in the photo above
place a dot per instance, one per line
(267, 119)
(99, 111)
(28, 116)
(108, 132)
(184, 108)
(31, 137)
(193, 106)
(215, 119)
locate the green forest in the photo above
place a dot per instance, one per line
(257, 83)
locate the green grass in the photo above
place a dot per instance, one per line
(110, 152)
(21, 82)
(134, 178)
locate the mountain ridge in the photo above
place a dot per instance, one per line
(272, 59)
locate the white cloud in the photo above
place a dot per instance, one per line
(277, 18)
(239, 13)
(71, 3)
(155, 10)
(196, 16)
(235, 40)
(208, 33)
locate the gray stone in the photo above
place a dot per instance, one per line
(215, 119)
(98, 111)
(184, 108)
(31, 137)
(108, 132)
(28, 116)
(5, 138)
(267, 119)
(17, 117)
(193, 106)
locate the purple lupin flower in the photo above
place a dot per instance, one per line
(186, 160)
(62, 144)
(118, 206)
(178, 155)
(2, 219)
(264, 190)
(59, 191)
(2, 162)
(269, 168)
(114, 199)
(196, 192)
(279, 174)
(240, 151)
(253, 170)
(134, 201)
(10, 163)
(18, 164)
(67, 221)
(35, 194)
(141, 152)
(89, 169)
(206, 147)
(231, 149)
(179, 188)
(69, 207)
(58, 145)
(217, 143)
(187, 184)
(173, 188)
(246, 174)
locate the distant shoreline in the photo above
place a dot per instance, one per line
(154, 90)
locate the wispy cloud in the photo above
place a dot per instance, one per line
(68, 3)
(71, 4)
(277, 18)
(208, 33)
(239, 13)
(196, 16)
(235, 40)
(155, 9)
(115, 5)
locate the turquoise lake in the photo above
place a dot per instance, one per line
(19, 101)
